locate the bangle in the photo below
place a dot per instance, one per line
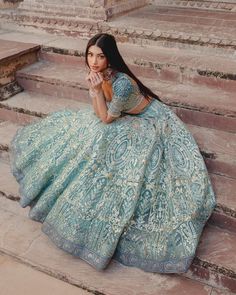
(92, 93)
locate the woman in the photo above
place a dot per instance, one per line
(122, 180)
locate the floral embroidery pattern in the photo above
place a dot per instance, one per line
(136, 190)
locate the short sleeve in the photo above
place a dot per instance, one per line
(122, 88)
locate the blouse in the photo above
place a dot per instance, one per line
(125, 95)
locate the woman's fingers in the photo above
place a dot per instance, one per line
(100, 76)
(96, 78)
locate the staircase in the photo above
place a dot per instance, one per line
(186, 56)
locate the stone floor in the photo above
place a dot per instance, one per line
(28, 280)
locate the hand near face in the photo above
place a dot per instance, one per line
(95, 81)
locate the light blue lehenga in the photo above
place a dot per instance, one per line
(135, 190)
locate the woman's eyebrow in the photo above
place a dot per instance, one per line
(97, 54)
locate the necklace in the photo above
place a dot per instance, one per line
(108, 74)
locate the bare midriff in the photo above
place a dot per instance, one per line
(140, 107)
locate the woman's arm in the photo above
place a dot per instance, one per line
(102, 108)
(98, 98)
(94, 101)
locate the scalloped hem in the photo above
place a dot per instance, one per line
(75, 249)
(100, 263)
(165, 266)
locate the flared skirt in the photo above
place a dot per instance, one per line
(135, 190)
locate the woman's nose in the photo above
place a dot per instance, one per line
(94, 60)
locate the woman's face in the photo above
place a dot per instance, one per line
(96, 59)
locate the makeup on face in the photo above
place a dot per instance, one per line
(97, 61)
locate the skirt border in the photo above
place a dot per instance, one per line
(100, 263)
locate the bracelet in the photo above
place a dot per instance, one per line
(92, 93)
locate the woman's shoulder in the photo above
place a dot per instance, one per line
(120, 77)
(122, 84)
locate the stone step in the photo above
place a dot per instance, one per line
(14, 56)
(214, 260)
(26, 107)
(62, 10)
(37, 22)
(28, 280)
(74, 19)
(23, 239)
(224, 187)
(88, 9)
(217, 109)
(28, 37)
(101, 11)
(188, 15)
(182, 66)
(219, 148)
(167, 27)
(169, 64)
(209, 31)
(224, 214)
(221, 5)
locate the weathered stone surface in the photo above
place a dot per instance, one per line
(9, 3)
(8, 114)
(9, 90)
(7, 131)
(25, 37)
(215, 255)
(14, 232)
(47, 78)
(8, 185)
(219, 147)
(14, 56)
(212, 249)
(225, 189)
(28, 280)
(218, 108)
(206, 119)
(224, 5)
(101, 10)
(180, 28)
(223, 220)
(159, 63)
(12, 49)
(220, 292)
(189, 28)
(36, 104)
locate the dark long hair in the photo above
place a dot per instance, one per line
(107, 44)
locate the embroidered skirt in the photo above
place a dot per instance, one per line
(135, 190)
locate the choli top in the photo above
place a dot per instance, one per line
(125, 94)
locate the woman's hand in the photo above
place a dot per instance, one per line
(95, 81)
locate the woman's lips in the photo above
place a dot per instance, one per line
(94, 68)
